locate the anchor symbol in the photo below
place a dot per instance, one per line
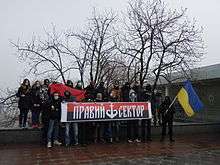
(111, 113)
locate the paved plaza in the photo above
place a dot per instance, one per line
(190, 149)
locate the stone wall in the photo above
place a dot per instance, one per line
(34, 136)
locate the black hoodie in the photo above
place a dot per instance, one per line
(24, 97)
(55, 109)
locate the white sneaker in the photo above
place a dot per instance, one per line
(137, 141)
(49, 145)
(56, 142)
(130, 141)
(76, 144)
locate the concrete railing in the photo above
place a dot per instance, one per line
(34, 136)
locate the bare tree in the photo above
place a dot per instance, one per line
(45, 56)
(97, 48)
(158, 40)
(8, 108)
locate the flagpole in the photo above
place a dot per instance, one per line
(171, 104)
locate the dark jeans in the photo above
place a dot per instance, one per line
(35, 115)
(107, 130)
(82, 132)
(170, 128)
(114, 130)
(132, 130)
(146, 134)
(99, 130)
(23, 117)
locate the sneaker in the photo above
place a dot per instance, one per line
(49, 145)
(56, 142)
(172, 140)
(130, 141)
(137, 141)
(76, 144)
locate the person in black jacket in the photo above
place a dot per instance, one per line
(24, 102)
(167, 111)
(54, 119)
(146, 134)
(90, 92)
(45, 98)
(79, 85)
(125, 92)
(99, 126)
(87, 127)
(36, 103)
(102, 90)
(69, 83)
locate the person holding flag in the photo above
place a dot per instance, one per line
(166, 112)
(189, 101)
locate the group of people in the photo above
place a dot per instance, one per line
(46, 112)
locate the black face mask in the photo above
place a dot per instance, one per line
(116, 87)
(67, 95)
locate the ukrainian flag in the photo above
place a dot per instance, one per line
(189, 100)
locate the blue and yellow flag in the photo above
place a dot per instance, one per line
(189, 100)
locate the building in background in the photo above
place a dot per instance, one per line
(206, 82)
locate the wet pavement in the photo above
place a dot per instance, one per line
(190, 149)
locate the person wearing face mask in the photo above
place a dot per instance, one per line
(90, 92)
(54, 119)
(99, 126)
(24, 102)
(115, 96)
(146, 134)
(70, 125)
(87, 127)
(166, 112)
(45, 98)
(36, 103)
(69, 83)
(79, 85)
(102, 90)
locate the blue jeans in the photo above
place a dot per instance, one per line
(53, 127)
(74, 126)
(23, 117)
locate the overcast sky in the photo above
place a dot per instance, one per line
(22, 18)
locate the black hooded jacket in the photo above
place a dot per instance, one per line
(24, 97)
(101, 89)
(36, 96)
(125, 93)
(165, 112)
(55, 109)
